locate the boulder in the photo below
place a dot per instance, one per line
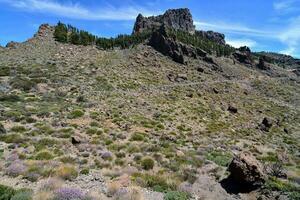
(2, 129)
(12, 45)
(206, 188)
(243, 55)
(177, 19)
(266, 124)
(232, 109)
(246, 170)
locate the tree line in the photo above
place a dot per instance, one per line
(69, 34)
(201, 42)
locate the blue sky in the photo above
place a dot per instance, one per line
(270, 25)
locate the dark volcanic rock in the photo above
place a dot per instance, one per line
(243, 55)
(177, 19)
(266, 124)
(232, 109)
(262, 64)
(246, 170)
(2, 129)
(12, 45)
(213, 36)
(170, 47)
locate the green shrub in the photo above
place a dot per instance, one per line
(147, 163)
(6, 193)
(85, 171)
(156, 182)
(220, 158)
(176, 195)
(13, 138)
(287, 187)
(44, 155)
(22, 83)
(23, 195)
(4, 71)
(76, 114)
(18, 129)
(137, 137)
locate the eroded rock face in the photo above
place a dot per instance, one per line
(177, 19)
(213, 36)
(246, 170)
(172, 48)
(243, 55)
(12, 45)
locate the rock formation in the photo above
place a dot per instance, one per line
(243, 55)
(213, 36)
(246, 170)
(170, 47)
(177, 19)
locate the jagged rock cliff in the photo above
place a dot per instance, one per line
(178, 19)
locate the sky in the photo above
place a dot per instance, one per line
(263, 25)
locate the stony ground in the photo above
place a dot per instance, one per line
(105, 120)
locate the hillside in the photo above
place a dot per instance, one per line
(161, 118)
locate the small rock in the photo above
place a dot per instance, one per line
(232, 109)
(107, 155)
(266, 124)
(2, 129)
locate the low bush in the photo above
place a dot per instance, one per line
(147, 163)
(76, 114)
(67, 172)
(175, 195)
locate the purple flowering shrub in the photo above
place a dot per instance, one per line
(16, 168)
(70, 194)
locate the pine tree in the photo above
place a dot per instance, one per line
(61, 32)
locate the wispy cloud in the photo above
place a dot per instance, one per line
(77, 11)
(233, 28)
(241, 42)
(285, 6)
(291, 37)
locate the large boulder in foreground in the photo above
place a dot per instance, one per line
(245, 169)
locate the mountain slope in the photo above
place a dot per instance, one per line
(107, 111)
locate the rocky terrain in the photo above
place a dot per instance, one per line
(164, 119)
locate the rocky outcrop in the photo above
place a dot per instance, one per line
(170, 47)
(243, 55)
(12, 45)
(246, 170)
(177, 19)
(45, 30)
(262, 64)
(213, 36)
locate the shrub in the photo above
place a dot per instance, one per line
(18, 129)
(44, 155)
(50, 184)
(69, 194)
(175, 195)
(4, 71)
(85, 171)
(76, 114)
(137, 137)
(67, 172)
(6, 193)
(220, 158)
(147, 163)
(16, 168)
(22, 83)
(23, 195)
(12, 138)
(156, 182)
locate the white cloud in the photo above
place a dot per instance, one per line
(241, 42)
(291, 37)
(286, 6)
(76, 11)
(232, 28)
